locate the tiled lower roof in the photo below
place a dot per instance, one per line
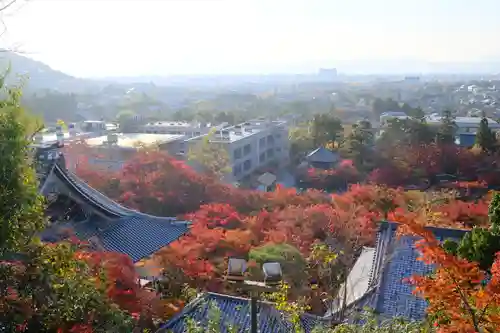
(137, 236)
(235, 312)
(395, 260)
(140, 237)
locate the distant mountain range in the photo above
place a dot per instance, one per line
(41, 76)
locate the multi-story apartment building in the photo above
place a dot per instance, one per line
(252, 145)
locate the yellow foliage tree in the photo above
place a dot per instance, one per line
(211, 156)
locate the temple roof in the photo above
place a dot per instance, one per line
(235, 312)
(109, 225)
(322, 155)
(136, 236)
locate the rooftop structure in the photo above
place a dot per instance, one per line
(97, 126)
(235, 311)
(245, 130)
(463, 124)
(111, 151)
(131, 140)
(391, 115)
(177, 127)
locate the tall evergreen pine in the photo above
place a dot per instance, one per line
(485, 137)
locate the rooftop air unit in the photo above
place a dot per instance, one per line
(225, 135)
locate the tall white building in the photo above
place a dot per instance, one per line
(252, 145)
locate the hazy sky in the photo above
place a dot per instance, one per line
(90, 38)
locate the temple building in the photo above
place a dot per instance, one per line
(75, 208)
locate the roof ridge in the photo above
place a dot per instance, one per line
(239, 298)
(88, 196)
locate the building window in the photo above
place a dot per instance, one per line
(278, 136)
(278, 150)
(247, 165)
(270, 140)
(270, 153)
(237, 170)
(237, 153)
(262, 158)
(262, 142)
(247, 149)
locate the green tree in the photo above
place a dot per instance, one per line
(447, 130)
(325, 129)
(380, 106)
(406, 132)
(289, 257)
(126, 121)
(419, 132)
(485, 137)
(416, 113)
(301, 142)
(43, 288)
(21, 207)
(480, 244)
(370, 323)
(359, 143)
(183, 114)
(211, 156)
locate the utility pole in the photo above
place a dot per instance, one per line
(253, 314)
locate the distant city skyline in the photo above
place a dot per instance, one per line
(110, 38)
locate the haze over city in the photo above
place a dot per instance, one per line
(135, 38)
(250, 166)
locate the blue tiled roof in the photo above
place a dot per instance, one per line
(118, 229)
(322, 155)
(396, 259)
(140, 237)
(136, 236)
(235, 312)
